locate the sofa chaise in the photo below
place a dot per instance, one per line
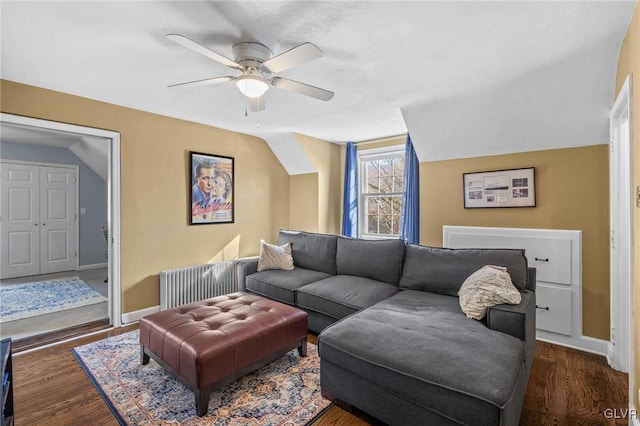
(393, 340)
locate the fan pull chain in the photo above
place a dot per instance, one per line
(246, 112)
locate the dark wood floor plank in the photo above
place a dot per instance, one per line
(51, 388)
(567, 387)
(571, 387)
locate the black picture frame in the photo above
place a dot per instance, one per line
(211, 189)
(500, 188)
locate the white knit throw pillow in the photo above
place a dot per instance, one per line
(489, 286)
(275, 257)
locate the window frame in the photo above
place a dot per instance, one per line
(392, 151)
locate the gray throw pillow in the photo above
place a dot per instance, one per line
(275, 257)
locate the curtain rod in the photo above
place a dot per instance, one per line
(383, 139)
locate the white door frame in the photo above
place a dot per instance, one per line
(621, 196)
(113, 199)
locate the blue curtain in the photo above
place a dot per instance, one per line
(410, 219)
(350, 197)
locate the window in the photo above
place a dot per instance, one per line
(381, 184)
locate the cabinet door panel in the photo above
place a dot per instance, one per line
(551, 256)
(554, 309)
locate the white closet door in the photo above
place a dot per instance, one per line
(57, 213)
(20, 220)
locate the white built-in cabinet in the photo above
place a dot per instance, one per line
(557, 256)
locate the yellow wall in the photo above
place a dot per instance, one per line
(629, 63)
(304, 210)
(325, 157)
(572, 192)
(155, 231)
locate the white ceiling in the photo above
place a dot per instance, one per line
(464, 78)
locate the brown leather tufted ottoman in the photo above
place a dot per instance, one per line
(211, 343)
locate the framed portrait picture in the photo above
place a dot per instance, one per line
(500, 188)
(211, 189)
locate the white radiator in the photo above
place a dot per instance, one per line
(194, 283)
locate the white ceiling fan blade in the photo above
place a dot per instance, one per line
(303, 89)
(298, 55)
(190, 44)
(256, 104)
(204, 82)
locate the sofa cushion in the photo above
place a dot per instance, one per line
(421, 347)
(488, 286)
(342, 295)
(281, 285)
(443, 270)
(376, 259)
(311, 251)
(275, 257)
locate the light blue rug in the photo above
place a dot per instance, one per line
(18, 301)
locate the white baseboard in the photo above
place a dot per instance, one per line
(594, 346)
(582, 343)
(135, 316)
(94, 266)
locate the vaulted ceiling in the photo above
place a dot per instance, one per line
(464, 78)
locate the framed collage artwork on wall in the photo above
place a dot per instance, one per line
(500, 188)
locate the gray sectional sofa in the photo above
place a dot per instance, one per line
(393, 339)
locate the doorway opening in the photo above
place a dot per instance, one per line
(62, 226)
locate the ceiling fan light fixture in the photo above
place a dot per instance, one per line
(253, 59)
(252, 85)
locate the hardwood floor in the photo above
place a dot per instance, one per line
(567, 387)
(570, 387)
(50, 387)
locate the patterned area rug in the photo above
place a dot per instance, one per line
(285, 392)
(18, 301)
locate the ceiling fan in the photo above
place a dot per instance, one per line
(257, 64)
